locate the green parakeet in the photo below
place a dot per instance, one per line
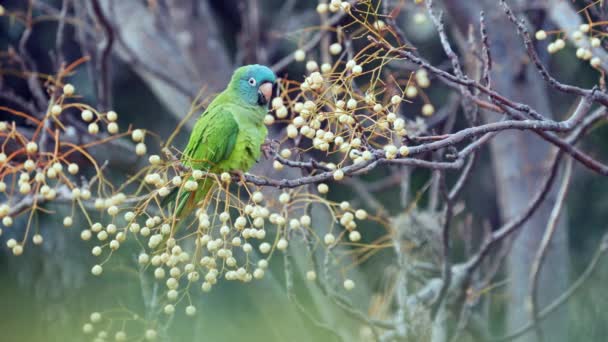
(228, 136)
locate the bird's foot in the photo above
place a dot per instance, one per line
(239, 174)
(269, 148)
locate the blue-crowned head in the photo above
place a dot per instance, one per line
(253, 83)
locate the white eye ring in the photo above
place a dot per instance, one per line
(252, 82)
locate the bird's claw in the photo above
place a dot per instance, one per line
(239, 174)
(269, 148)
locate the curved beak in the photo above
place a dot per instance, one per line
(264, 93)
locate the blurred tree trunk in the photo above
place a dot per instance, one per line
(520, 163)
(178, 39)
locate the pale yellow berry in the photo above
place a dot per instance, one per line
(86, 115)
(29, 165)
(329, 239)
(190, 310)
(7, 221)
(154, 159)
(68, 221)
(169, 309)
(150, 335)
(68, 89)
(354, 236)
(225, 177)
(37, 239)
(305, 220)
(25, 188)
(345, 205)
(540, 35)
(350, 64)
(379, 25)
(284, 198)
(357, 70)
(258, 273)
(265, 247)
(129, 216)
(112, 128)
(120, 336)
(585, 28)
(257, 197)
(299, 55)
(335, 48)
(86, 235)
(17, 250)
(349, 284)
(311, 275)
(140, 149)
(31, 147)
(361, 214)
(595, 62)
(325, 68)
(73, 168)
(114, 245)
(112, 116)
(322, 8)
(282, 112)
(595, 42)
(285, 153)
(338, 175)
(351, 104)
(191, 185)
(277, 103)
(95, 317)
(197, 174)
(292, 131)
(137, 135)
(428, 109)
(282, 244)
(411, 92)
(420, 18)
(56, 110)
(112, 210)
(334, 5)
(560, 44)
(87, 328)
(322, 188)
(404, 151)
(268, 120)
(97, 270)
(312, 66)
(396, 99)
(93, 128)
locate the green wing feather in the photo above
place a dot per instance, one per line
(211, 142)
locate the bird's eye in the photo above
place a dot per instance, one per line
(252, 82)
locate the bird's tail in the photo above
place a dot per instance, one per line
(181, 202)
